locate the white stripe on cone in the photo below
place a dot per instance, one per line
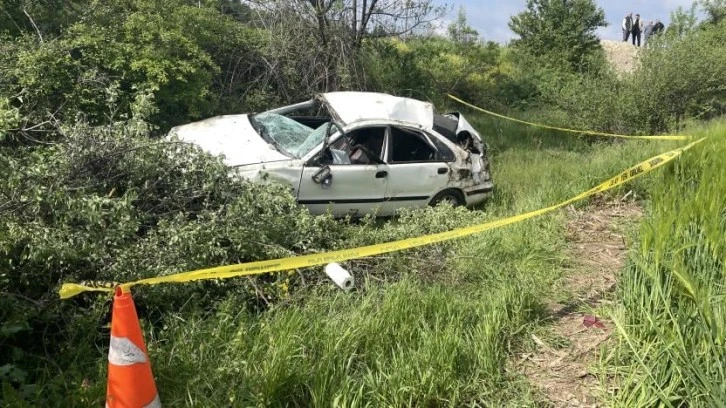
(123, 352)
(156, 403)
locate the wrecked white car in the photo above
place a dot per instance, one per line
(354, 153)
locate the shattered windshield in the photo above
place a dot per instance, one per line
(288, 136)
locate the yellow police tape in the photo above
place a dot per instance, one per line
(256, 268)
(585, 132)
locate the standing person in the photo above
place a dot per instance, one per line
(658, 27)
(647, 31)
(637, 29)
(627, 26)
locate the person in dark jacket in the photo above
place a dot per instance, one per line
(637, 29)
(627, 26)
(658, 27)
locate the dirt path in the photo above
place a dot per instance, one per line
(567, 348)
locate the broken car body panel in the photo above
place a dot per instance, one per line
(353, 107)
(367, 153)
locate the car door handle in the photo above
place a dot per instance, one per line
(443, 170)
(381, 174)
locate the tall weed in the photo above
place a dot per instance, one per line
(672, 323)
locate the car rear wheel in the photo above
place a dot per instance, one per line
(453, 197)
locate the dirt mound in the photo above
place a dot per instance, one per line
(622, 55)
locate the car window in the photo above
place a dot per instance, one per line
(362, 145)
(408, 145)
(443, 152)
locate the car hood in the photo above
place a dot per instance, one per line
(232, 136)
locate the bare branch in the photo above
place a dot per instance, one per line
(33, 23)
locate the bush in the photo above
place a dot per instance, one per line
(109, 203)
(428, 68)
(681, 78)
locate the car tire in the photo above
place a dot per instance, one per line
(453, 197)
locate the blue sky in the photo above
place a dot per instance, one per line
(490, 17)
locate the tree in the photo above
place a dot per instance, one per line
(683, 21)
(321, 40)
(562, 30)
(357, 19)
(715, 10)
(460, 31)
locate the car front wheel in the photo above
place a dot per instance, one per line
(453, 197)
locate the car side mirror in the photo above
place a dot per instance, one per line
(323, 176)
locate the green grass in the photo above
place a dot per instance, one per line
(405, 344)
(440, 338)
(534, 168)
(671, 313)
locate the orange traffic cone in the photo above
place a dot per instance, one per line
(130, 381)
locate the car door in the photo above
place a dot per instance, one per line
(416, 170)
(352, 184)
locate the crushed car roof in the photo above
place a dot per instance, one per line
(355, 106)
